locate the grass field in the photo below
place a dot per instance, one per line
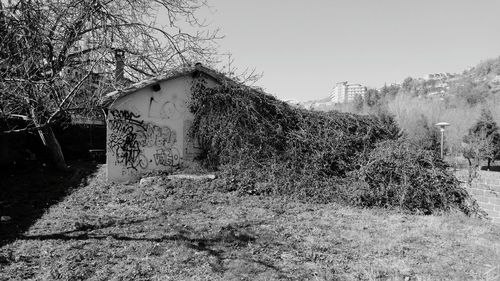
(186, 230)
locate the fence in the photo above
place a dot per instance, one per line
(486, 190)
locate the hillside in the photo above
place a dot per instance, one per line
(472, 85)
(487, 72)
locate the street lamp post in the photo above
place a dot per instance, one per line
(441, 126)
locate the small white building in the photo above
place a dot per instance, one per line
(148, 124)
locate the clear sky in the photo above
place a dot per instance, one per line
(304, 47)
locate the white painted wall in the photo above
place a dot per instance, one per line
(147, 130)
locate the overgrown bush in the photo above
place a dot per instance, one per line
(264, 146)
(238, 123)
(401, 174)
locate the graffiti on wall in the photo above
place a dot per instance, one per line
(167, 157)
(129, 137)
(172, 109)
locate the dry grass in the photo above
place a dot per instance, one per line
(190, 231)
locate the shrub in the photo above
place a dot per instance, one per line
(264, 146)
(403, 175)
(236, 123)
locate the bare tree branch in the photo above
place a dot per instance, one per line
(58, 55)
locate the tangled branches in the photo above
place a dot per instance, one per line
(265, 146)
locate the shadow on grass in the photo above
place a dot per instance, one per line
(24, 197)
(217, 246)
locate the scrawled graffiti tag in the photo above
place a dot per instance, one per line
(123, 141)
(154, 135)
(129, 137)
(167, 157)
(131, 157)
(165, 109)
(124, 115)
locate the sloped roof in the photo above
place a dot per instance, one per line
(191, 70)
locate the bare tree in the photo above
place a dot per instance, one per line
(476, 147)
(56, 56)
(249, 76)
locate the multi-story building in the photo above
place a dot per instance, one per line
(344, 92)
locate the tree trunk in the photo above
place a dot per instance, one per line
(50, 142)
(472, 173)
(53, 147)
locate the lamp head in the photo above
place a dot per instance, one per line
(442, 125)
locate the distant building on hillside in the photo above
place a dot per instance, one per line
(438, 76)
(438, 84)
(344, 92)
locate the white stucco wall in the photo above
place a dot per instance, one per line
(147, 130)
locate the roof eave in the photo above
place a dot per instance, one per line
(193, 71)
